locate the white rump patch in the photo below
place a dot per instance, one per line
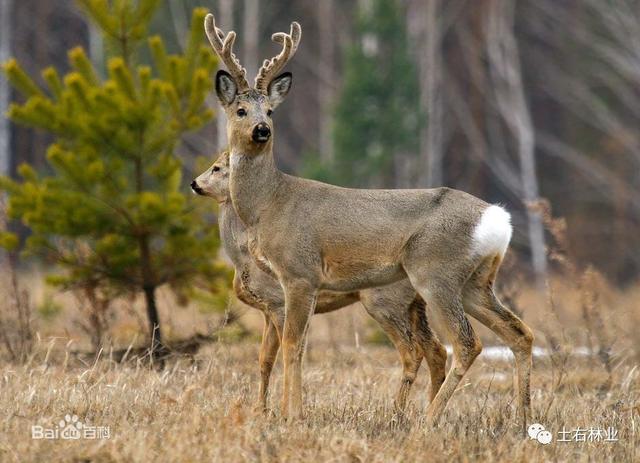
(493, 233)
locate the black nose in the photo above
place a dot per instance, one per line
(196, 188)
(261, 133)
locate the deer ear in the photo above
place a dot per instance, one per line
(226, 88)
(278, 88)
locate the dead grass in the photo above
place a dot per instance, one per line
(203, 411)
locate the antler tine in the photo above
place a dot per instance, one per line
(295, 34)
(223, 46)
(271, 68)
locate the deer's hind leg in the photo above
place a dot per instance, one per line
(400, 313)
(434, 352)
(393, 320)
(481, 302)
(411, 358)
(440, 284)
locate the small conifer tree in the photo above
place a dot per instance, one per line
(378, 112)
(114, 212)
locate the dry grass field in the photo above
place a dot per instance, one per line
(202, 408)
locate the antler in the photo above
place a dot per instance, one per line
(271, 68)
(223, 46)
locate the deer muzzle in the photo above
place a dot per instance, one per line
(261, 133)
(196, 189)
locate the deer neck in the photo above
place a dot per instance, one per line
(253, 183)
(233, 235)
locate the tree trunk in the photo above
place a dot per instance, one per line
(510, 97)
(226, 24)
(5, 93)
(149, 289)
(147, 276)
(326, 89)
(250, 31)
(154, 319)
(430, 63)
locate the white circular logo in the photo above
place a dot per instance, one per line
(537, 432)
(544, 437)
(534, 429)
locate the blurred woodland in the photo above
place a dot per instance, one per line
(512, 101)
(107, 259)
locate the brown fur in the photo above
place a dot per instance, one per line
(396, 307)
(315, 236)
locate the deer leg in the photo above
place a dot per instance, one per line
(393, 318)
(482, 304)
(268, 353)
(410, 356)
(300, 300)
(411, 359)
(405, 323)
(447, 306)
(434, 352)
(436, 357)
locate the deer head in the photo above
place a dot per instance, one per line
(214, 181)
(249, 109)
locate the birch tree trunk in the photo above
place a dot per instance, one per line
(5, 95)
(506, 73)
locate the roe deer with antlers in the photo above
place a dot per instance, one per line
(314, 236)
(396, 307)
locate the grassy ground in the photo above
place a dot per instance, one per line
(203, 410)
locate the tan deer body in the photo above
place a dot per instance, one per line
(396, 307)
(315, 236)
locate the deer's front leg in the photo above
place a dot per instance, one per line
(300, 300)
(268, 353)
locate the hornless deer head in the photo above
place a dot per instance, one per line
(248, 109)
(214, 181)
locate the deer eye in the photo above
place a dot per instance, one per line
(241, 112)
(216, 168)
(269, 112)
